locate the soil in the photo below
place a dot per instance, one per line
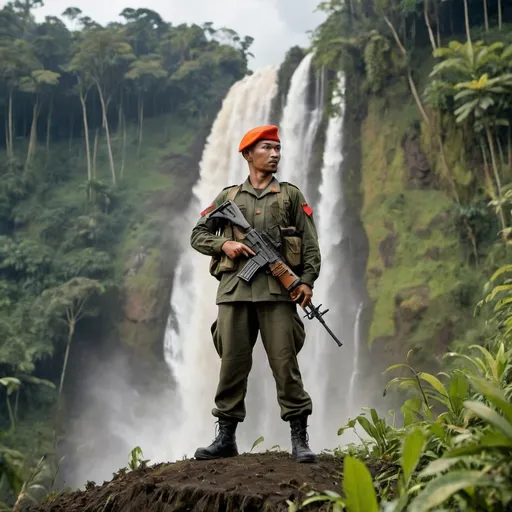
(249, 482)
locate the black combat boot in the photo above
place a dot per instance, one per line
(300, 447)
(224, 444)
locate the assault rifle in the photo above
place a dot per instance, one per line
(267, 253)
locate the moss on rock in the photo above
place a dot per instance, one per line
(413, 242)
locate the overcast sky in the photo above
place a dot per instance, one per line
(276, 25)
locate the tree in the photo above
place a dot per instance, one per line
(39, 83)
(72, 13)
(480, 83)
(69, 303)
(17, 59)
(145, 73)
(101, 56)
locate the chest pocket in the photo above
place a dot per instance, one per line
(221, 264)
(291, 240)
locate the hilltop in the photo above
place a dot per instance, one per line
(250, 482)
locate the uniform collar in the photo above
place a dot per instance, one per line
(272, 188)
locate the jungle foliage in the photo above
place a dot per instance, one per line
(74, 103)
(451, 446)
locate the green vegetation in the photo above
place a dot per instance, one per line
(100, 126)
(436, 180)
(433, 81)
(453, 448)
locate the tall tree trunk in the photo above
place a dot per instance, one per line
(141, 121)
(10, 149)
(12, 421)
(6, 128)
(86, 135)
(427, 22)
(95, 153)
(503, 164)
(32, 142)
(107, 133)
(71, 331)
(494, 162)
(71, 129)
(49, 126)
(500, 15)
(509, 149)
(438, 22)
(123, 157)
(501, 215)
(486, 16)
(466, 21)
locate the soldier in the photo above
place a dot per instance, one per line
(262, 305)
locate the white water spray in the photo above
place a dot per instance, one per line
(299, 125)
(355, 362)
(188, 347)
(321, 359)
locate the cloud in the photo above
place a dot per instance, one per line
(275, 25)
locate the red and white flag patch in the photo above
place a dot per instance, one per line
(307, 209)
(208, 210)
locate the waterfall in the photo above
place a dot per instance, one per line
(188, 347)
(299, 125)
(355, 361)
(322, 361)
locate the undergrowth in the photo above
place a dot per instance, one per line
(453, 447)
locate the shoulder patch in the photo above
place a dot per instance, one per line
(208, 210)
(307, 209)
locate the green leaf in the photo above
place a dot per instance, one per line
(439, 490)
(257, 442)
(358, 487)
(494, 395)
(438, 466)
(411, 452)
(411, 410)
(491, 363)
(350, 424)
(502, 270)
(434, 382)
(490, 416)
(11, 383)
(498, 289)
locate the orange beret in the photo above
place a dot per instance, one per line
(267, 132)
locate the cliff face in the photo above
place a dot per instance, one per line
(417, 273)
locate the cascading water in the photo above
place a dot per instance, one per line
(355, 361)
(299, 125)
(188, 349)
(321, 360)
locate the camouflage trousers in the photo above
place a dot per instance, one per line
(234, 334)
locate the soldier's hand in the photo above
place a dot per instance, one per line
(235, 249)
(302, 293)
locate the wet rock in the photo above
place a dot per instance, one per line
(410, 305)
(387, 249)
(433, 253)
(420, 174)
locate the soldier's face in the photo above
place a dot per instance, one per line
(265, 155)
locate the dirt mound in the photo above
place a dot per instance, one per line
(256, 482)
